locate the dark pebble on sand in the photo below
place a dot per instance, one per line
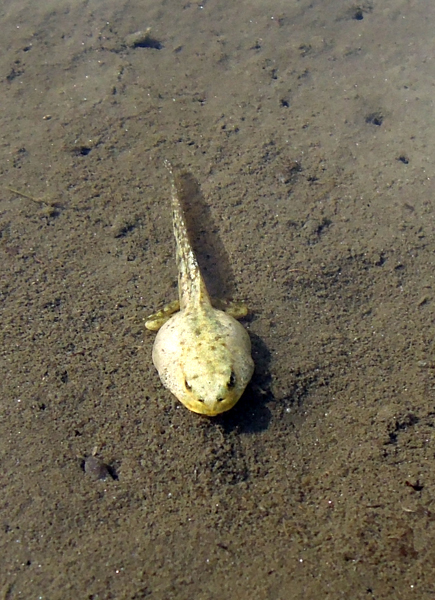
(96, 468)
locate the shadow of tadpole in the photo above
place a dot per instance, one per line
(204, 236)
(251, 414)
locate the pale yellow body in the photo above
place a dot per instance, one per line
(202, 354)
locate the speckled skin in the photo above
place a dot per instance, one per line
(203, 355)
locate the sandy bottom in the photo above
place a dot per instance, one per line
(309, 127)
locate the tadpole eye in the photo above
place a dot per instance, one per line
(187, 384)
(232, 381)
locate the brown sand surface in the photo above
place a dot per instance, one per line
(310, 127)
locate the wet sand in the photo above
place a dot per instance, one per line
(309, 127)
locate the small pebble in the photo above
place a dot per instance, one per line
(142, 39)
(96, 468)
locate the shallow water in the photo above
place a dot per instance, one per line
(309, 127)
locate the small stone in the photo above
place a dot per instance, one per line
(96, 468)
(142, 39)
